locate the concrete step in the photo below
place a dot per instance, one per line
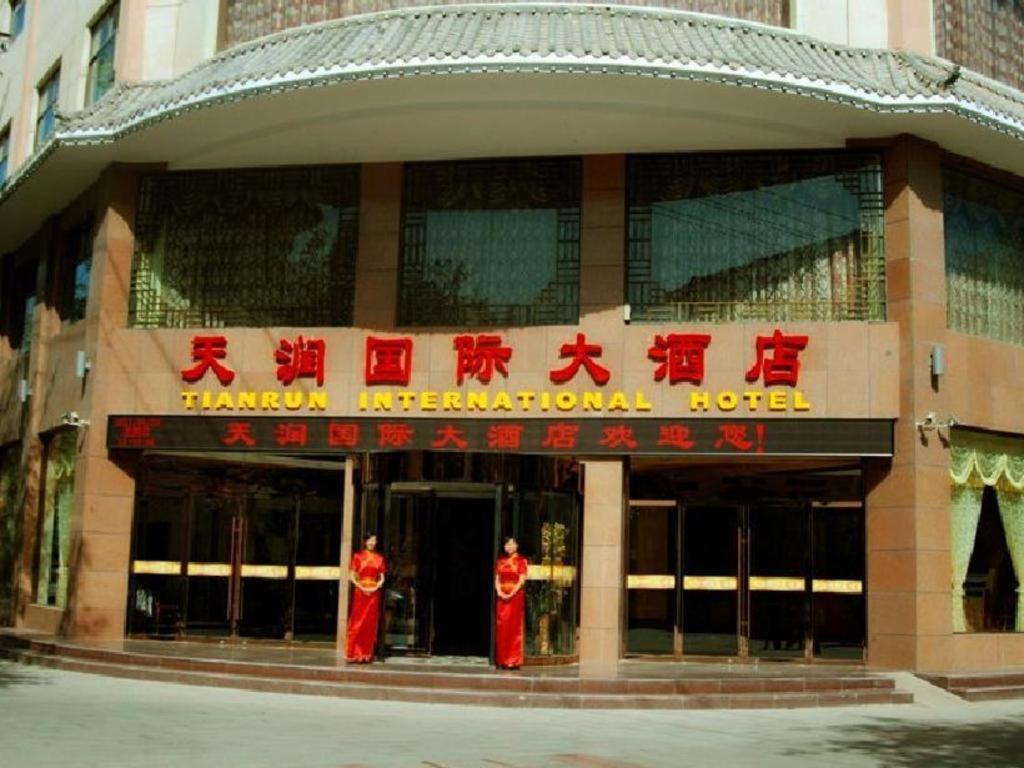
(386, 675)
(483, 697)
(990, 693)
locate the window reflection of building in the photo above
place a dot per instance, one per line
(719, 238)
(246, 248)
(984, 257)
(491, 243)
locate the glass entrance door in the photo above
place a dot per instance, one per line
(440, 543)
(775, 574)
(712, 540)
(652, 601)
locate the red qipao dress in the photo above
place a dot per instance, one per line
(365, 609)
(509, 614)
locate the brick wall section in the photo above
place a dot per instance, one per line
(984, 35)
(246, 20)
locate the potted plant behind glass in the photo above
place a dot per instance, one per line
(552, 588)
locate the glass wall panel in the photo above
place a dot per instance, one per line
(651, 583)
(317, 569)
(984, 257)
(159, 542)
(549, 535)
(55, 520)
(10, 525)
(248, 248)
(491, 243)
(778, 237)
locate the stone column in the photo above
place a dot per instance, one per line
(380, 209)
(348, 517)
(43, 324)
(908, 526)
(104, 489)
(602, 581)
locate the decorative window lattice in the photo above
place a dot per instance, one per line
(491, 243)
(984, 226)
(773, 237)
(984, 35)
(248, 248)
(249, 19)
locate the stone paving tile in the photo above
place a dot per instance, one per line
(51, 719)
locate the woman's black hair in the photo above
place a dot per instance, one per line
(506, 539)
(366, 536)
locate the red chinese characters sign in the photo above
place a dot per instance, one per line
(388, 361)
(646, 436)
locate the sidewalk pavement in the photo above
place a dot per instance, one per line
(51, 718)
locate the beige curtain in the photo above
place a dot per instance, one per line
(977, 460)
(966, 513)
(1011, 509)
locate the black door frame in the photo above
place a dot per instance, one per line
(433, 492)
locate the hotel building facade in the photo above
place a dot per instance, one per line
(716, 305)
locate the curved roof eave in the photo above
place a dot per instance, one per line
(539, 38)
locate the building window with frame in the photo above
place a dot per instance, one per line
(19, 303)
(5, 152)
(984, 257)
(493, 242)
(55, 519)
(17, 17)
(987, 531)
(102, 45)
(46, 120)
(246, 248)
(76, 271)
(766, 237)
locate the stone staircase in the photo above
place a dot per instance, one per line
(981, 686)
(477, 686)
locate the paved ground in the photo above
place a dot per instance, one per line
(71, 720)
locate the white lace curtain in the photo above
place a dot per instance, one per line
(980, 460)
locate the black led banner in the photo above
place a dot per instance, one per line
(665, 437)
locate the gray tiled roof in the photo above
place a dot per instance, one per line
(560, 38)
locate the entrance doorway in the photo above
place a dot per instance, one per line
(770, 579)
(441, 541)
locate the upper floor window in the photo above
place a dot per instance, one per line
(101, 53)
(252, 248)
(75, 272)
(17, 17)
(5, 150)
(775, 237)
(491, 243)
(984, 224)
(19, 302)
(46, 121)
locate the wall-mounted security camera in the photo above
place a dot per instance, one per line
(72, 419)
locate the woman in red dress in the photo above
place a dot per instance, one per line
(509, 580)
(367, 576)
